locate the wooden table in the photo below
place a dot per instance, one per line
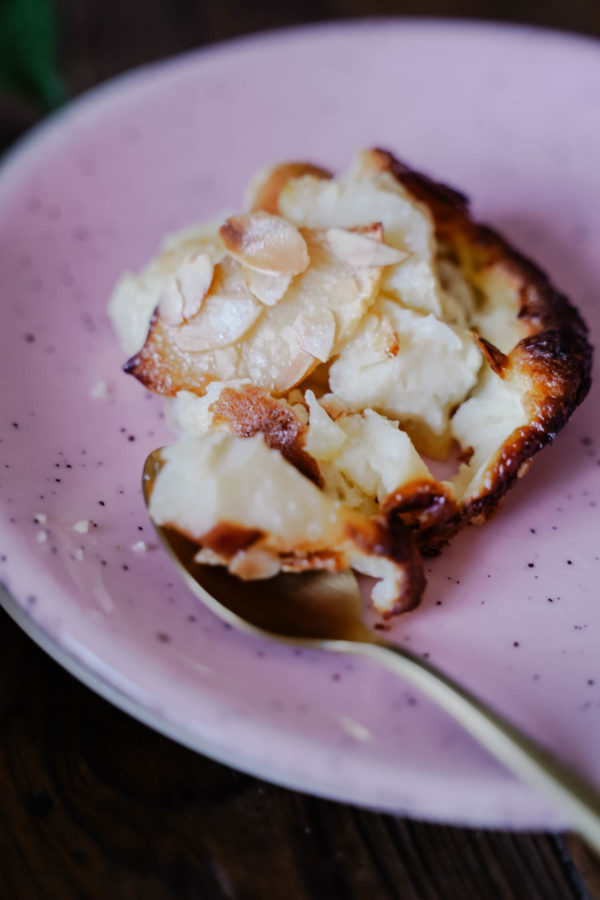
(95, 805)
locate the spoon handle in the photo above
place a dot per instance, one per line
(575, 795)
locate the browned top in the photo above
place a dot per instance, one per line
(162, 367)
(249, 410)
(428, 510)
(554, 359)
(227, 538)
(551, 365)
(390, 537)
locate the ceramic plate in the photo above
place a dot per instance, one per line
(512, 116)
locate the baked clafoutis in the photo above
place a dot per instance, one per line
(324, 351)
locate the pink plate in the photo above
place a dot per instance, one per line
(512, 610)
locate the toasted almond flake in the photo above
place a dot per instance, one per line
(265, 286)
(265, 242)
(295, 372)
(83, 526)
(317, 337)
(100, 391)
(358, 249)
(42, 537)
(184, 293)
(194, 279)
(222, 320)
(170, 306)
(40, 518)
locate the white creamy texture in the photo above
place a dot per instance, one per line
(348, 201)
(377, 456)
(362, 457)
(130, 308)
(277, 499)
(496, 318)
(484, 422)
(294, 515)
(325, 438)
(367, 450)
(433, 368)
(390, 324)
(459, 300)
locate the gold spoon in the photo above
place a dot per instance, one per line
(323, 611)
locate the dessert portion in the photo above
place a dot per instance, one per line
(324, 350)
(256, 514)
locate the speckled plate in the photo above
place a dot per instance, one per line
(512, 610)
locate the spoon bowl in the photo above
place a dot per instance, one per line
(324, 611)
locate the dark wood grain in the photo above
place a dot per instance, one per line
(95, 805)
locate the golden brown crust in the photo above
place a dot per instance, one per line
(551, 365)
(428, 510)
(250, 410)
(554, 358)
(162, 366)
(226, 539)
(390, 537)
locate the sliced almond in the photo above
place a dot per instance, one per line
(276, 346)
(293, 374)
(170, 306)
(358, 249)
(348, 202)
(221, 321)
(194, 279)
(265, 286)
(316, 334)
(184, 294)
(265, 242)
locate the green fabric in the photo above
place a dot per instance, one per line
(28, 51)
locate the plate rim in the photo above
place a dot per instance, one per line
(15, 163)
(23, 148)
